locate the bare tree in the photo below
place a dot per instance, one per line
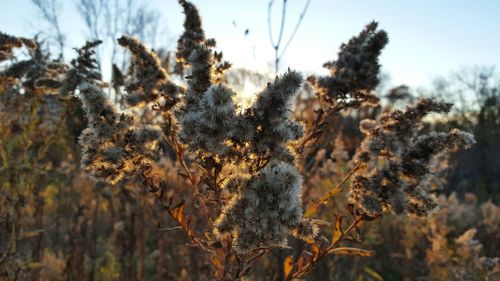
(476, 91)
(48, 10)
(278, 51)
(467, 87)
(132, 18)
(91, 12)
(107, 20)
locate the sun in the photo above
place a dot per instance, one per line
(247, 95)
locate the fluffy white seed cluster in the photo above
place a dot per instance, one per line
(271, 113)
(84, 68)
(354, 74)
(147, 81)
(267, 207)
(209, 118)
(192, 37)
(266, 210)
(201, 62)
(112, 147)
(397, 156)
(213, 123)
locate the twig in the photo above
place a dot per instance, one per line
(170, 228)
(332, 192)
(322, 254)
(296, 28)
(276, 46)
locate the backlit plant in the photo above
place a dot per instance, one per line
(243, 166)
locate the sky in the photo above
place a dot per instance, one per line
(427, 38)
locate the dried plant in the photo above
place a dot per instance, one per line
(395, 185)
(266, 210)
(355, 73)
(231, 179)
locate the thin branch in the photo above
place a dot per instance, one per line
(296, 28)
(269, 26)
(178, 227)
(313, 209)
(48, 11)
(282, 26)
(276, 46)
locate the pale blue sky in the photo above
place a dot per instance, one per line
(427, 37)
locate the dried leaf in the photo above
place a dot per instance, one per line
(177, 213)
(31, 234)
(216, 261)
(373, 274)
(351, 252)
(311, 210)
(34, 265)
(288, 266)
(337, 231)
(315, 250)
